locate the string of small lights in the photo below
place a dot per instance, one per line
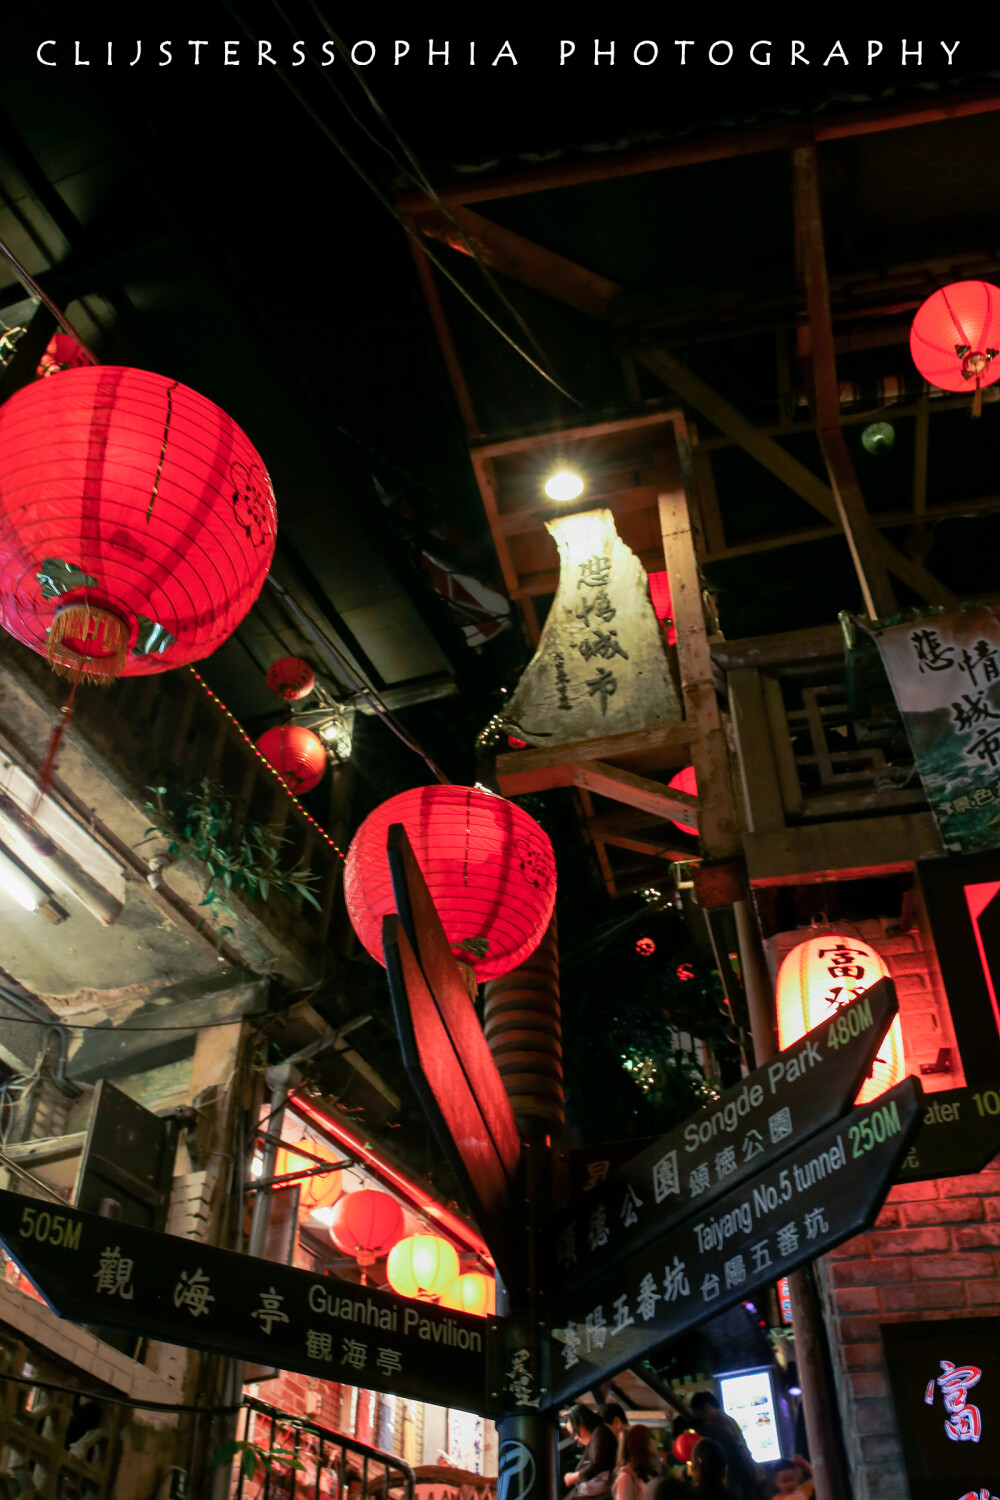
(321, 831)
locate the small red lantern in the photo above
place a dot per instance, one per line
(684, 1445)
(663, 609)
(685, 781)
(645, 947)
(820, 976)
(515, 743)
(472, 1293)
(290, 677)
(366, 1224)
(137, 522)
(319, 1191)
(61, 353)
(488, 866)
(955, 338)
(422, 1265)
(298, 756)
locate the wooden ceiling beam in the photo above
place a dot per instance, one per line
(636, 791)
(862, 539)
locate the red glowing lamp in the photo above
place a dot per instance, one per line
(955, 337)
(297, 754)
(137, 522)
(684, 1445)
(366, 1224)
(820, 976)
(685, 781)
(645, 947)
(489, 868)
(290, 677)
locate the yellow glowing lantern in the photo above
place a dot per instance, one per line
(422, 1265)
(816, 980)
(322, 1189)
(471, 1293)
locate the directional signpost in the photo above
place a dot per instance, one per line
(733, 1139)
(810, 1199)
(959, 1134)
(97, 1270)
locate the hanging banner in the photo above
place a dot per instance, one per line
(601, 667)
(945, 676)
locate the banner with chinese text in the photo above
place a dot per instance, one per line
(945, 676)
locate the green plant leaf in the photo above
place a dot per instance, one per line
(249, 1461)
(225, 1453)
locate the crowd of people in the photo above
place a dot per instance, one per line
(622, 1462)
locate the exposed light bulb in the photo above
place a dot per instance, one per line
(564, 486)
(20, 886)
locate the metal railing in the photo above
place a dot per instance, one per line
(334, 1465)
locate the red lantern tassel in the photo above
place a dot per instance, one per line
(87, 643)
(45, 771)
(977, 400)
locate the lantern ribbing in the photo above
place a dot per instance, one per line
(524, 1030)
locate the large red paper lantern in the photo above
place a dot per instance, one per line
(955, 337)
(422, 1265)
(663, 608)
(290, 677)
(819, 977)
(472, 1293)
(319, 1191)
(684, 1445)
(137, 522)
(685, 781)
(488, 865)
(366, 1224)
(297, 754)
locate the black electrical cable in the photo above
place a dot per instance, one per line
(31, 285)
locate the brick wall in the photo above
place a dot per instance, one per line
(933, 1253)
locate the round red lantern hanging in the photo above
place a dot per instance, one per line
(684, 1445)
(137, 522)
(472, 1293)
(955, 337)
(488, 865)
(290, 677)
(422, 1265)
(366, 1224)
(645, 947)
(61, 353)
(319, 1191)
(816, 979)
(297, 754)
(685, 781)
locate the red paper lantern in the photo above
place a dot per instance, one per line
(955, 336)
(137, 522)
(290, 677)
(685, 972)
(820, 976)
(61, 353)
(298, 756)
(488, 865)
(685, 781)
(320, 1191)
(684, 1445)
(366, 1224)
(663, 609)
(472, 1293)
(422, 1265)
(515, 743)
(645, 947)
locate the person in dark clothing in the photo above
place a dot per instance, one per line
(592, 1478)
(743, 1478)
(708, 1470)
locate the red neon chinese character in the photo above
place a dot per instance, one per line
(964, 1424)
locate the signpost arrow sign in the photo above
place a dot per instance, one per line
(816, 1195)
(735, 1137)
(103, 1271)
(447, 1056)
(959, 1133)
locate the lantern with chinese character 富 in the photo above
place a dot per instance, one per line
(320, 1190)
(489, 868)
(366, 1224)
(422, 1265)
(820, 976)
(297, 754)
(955, 338)
(290, 678)
(471, 1293)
